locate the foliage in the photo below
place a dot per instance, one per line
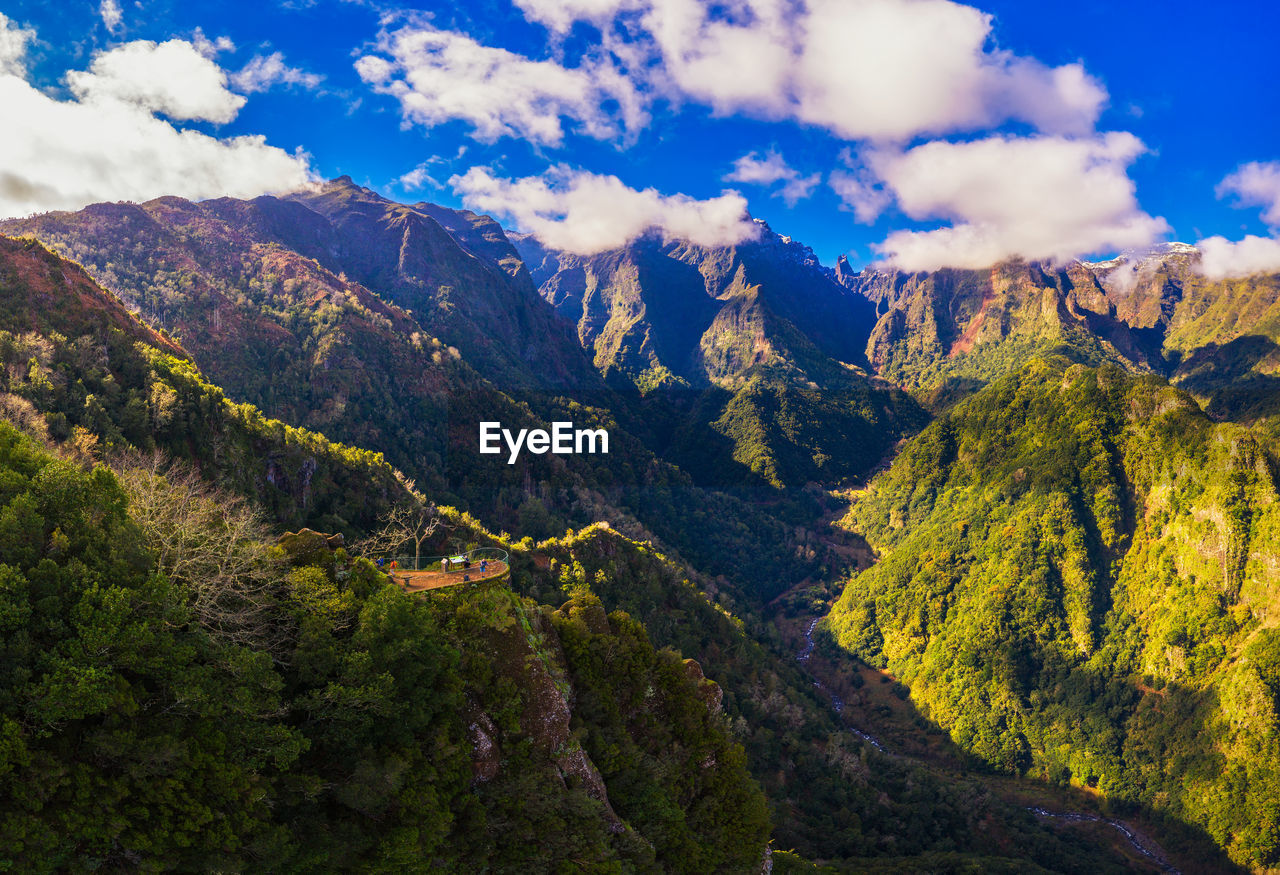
(307, 345)
(1075, 565)
(138, 736)
(831, 796)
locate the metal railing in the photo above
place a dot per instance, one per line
(472, 561)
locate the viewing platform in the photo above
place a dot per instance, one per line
(436, 572)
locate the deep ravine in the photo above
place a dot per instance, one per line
(1154, 854)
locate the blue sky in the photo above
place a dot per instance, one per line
(1058, 100)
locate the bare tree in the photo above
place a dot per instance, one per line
(403, 524)
(208, 540)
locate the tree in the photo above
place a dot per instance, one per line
(409, 522)
(212, 542)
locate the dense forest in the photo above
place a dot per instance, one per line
(1040, 506)
(1077, 581)
(331, 725)
(278, 330)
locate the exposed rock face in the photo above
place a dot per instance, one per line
(1221, 338)
(950, 324)
(663, 311)
(946, 333)
(485, 757)
(1146, 287)
(707, 688)
(306, 546)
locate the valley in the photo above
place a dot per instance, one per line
(951, 571)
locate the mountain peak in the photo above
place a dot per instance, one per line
(1154, 252)
(344, 188)
(844, 273)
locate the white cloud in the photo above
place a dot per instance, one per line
(108, 144)
(1256, 184)
(1221, 258)
(883, 70)
(265, 71)
(111, 15)
(799, 188)
(418, 178)
(895, 69)
(171, 78)
(439, 76)
(211, 48)
(585, 213)
(559, 15)
(859, 192)
(1033, 197)
(772, 169)
(752, 169)
(13, 47)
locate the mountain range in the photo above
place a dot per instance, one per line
(1022, 517)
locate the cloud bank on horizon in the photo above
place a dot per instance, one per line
(878, 74)
(960, 152)
(116, 137)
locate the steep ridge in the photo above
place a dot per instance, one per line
(650, 309)
(1077, 580)
(81, 371)
(751, 354)
(402, 253)
(459, 276)
(941, 334)
(1221, 337)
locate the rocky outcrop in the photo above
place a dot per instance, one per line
(949, 325)
(486, 759)
(1146, 287)
(526, 650)
(708, 689)
(666, 311)
(308, 547)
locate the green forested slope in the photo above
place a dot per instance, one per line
(364, 728)
(79, 370)
(348, 365)
(832, 796)
(1225, 336)
(1078, 581)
